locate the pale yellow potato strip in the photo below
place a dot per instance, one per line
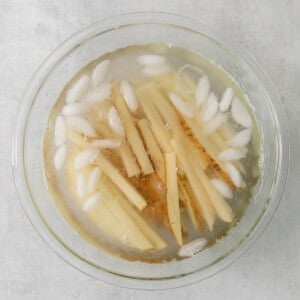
(125, 186)
(172, 196)
(165, 108)
(132, 133)
(101, 216)
(197, 188)
(168, 84)
(153, 149)
(169, 114)
(222, 208)
(210, 148)
(220, 205)
(151, 235)
(128, 159)
(157, 125)
(185, 196)
(131, 231)
(193, 203)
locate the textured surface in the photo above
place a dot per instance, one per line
(30, 29)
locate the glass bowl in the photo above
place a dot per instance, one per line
(42, 92)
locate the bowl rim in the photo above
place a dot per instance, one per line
(114, 22)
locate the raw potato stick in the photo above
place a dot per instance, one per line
(151, 235)
(201, 142)
(125, 186)
(172, 196)
(128, 159)
(207, 147)
(221, 207)
(197, 144)
(194, 145)
(106, 221)
(170, 115)
(191, 214)
(196, 220)
(158, 127)
(109, 218)
(131, 231)
(99, 215)
(198, 190)
(153, 149)
(195, 207)
(129, 235)
(132, 134)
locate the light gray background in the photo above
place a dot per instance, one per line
(30, 30)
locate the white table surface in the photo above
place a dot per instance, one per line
(30, 30)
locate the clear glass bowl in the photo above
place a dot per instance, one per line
(42, 92)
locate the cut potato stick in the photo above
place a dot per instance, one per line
(128, 159)
(130, 229)
(99, 215)
(172, 196)
(153, 149)
(115, 218)
(77, 139)
(192, 210)
(170, 116)
(126, 187)
(131, 132)
(191, 214)
(102, 217)
(194, 204)
(111, 221)
(206, 147)
(198, 190)
(173, 118)
(222, 209)
(164, 106)
(151, 235)
(106, 216)
(158, 127)
(201, 142)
